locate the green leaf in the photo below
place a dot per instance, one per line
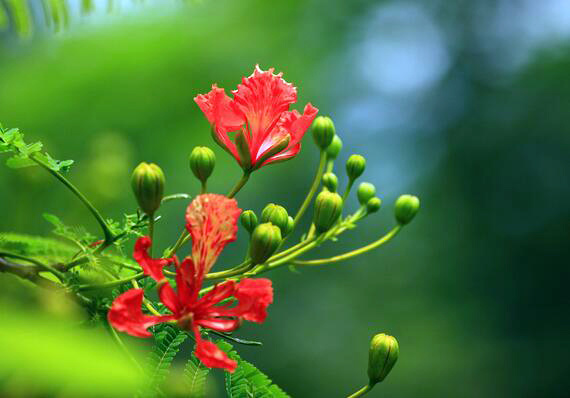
(25, 155)
(247, 381)
(196, 372)
(40, 248)
(167, 344)
(19, 162)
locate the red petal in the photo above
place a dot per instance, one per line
(218, 293)
(262, 98)
(296, 125)
(187, 285)
(254, 296)
(213, 357)
(219, 324)
(220, 112)
(211, 220)
(169, 298)
(151, 267)
(285, 155)
(126, 314)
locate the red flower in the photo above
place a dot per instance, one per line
(212, 223)
(267, 131)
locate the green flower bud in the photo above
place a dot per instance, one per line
(323, 131)
(355, 166)
(328, 208)
(366, 191)
(276, 215)
(248, 220)
(407, 206)
(334, 148)
(147, 182)
(382, 356)
(373, 205)
(202, 162)
(265, 239)
(330, 181)
(290, 225)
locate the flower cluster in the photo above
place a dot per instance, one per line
(211, 221)
(257, 128)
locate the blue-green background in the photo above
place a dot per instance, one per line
(465, 104)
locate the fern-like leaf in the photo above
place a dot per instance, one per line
(247, 381)
(43, 249)
(167, 344)
(196, 372)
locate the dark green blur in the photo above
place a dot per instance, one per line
(464, 104)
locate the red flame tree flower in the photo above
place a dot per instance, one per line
(267, 131)
(211, 221)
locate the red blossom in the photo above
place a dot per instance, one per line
(259, 111)
(212, 223)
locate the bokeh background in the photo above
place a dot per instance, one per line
(464, 103)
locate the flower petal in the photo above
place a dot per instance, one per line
(126, 314)
(213, 357)
(211, 220)
(262, 98)
(222, 115)
(151, 267)
(219, 324)
(254, 296)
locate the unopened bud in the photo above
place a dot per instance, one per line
(323, 131)
(265, 240)
(355, 166)
(248, 220)
(276, 215)
(330, 181)
(334, 148)
(290, 225)
(365, 192)
(328, 208)
(382, 356)
(202, 162)
(407, 206)
(373, 205)
(147, 182)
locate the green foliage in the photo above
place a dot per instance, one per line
(167, 341)
(248, 381)
(26, 155)
(37, 247)
(196, 373)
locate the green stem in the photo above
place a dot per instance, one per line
(312, 191)
(347, 191)
(151, 232)
(239, 185)
(204, 187)
(38, 264)
(246, 265)
(106, 230)
(183, 238)
(361, 392)
(386, 238)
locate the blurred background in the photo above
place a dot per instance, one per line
(463, 103)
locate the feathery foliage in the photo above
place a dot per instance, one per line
(196, 373)
(248, 381)
(26, 155)
(167, 341)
